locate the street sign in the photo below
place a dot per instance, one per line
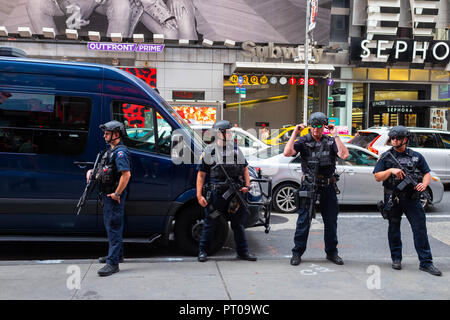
(273, 80)
(254, 80)
(330, 82)
(240, 79)
(237, 90)
(283, 80)
(234, 78)
(244, 90)
(263, 80)
(292, 80)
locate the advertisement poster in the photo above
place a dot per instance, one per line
(197, 115)
(438, 118)
(266, 21)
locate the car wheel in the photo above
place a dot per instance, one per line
(188, 231)
(283, 198)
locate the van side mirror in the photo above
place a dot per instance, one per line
(180, 150)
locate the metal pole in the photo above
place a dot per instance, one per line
(240, 107)
(306, 53)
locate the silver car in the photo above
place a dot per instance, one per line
(433, 144)
(356, 183)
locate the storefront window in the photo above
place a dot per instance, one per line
(396, 95)
(358, 108)
(438, 75)
(419, 75)
(378, 74)
(398, 74)
(359, 73)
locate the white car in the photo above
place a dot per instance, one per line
(356, 183)
(433, 144)
(247, 142)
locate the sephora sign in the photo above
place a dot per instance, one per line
(401, 50)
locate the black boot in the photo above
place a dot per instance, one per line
(397, 265)
(336, 259)
(431, 269)
(247, 256)
(202, 256)
(296, 259)
(108, 270)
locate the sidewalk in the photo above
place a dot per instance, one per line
(223, 278)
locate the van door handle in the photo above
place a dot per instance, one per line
(82, 164)
(351, 172)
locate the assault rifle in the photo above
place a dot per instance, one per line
(233, 188)
(409, 179)
(90, 185)
(311, 193)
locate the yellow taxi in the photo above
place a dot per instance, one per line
(281, 136)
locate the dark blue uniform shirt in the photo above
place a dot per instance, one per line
(327, 171)
(384, 163)
(121, 157)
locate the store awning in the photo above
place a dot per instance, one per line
(277, 68)
(411, 103)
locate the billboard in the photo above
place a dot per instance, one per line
(279, 21)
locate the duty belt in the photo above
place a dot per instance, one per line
(323, 181)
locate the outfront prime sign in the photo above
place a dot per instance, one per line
(400, 50)
(126, 47)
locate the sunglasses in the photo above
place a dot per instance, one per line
(398, 138)
(317, 126)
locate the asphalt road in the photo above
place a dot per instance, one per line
(157, 272)
(361, 233)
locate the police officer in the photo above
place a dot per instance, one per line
(225, 152)
(113, 177)
(324, 149)
(406, 201)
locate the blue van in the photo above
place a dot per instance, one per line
(50, 112)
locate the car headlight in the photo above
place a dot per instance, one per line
(255, 189)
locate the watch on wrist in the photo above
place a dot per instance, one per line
(117, 194)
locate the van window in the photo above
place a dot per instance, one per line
(146, 129)
(43, 123)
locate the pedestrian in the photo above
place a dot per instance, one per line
(264, 133)
(223, 152)
(400, 198)
(113, 177)
(317, 149)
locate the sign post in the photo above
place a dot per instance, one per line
(306, 51)
(240, 82)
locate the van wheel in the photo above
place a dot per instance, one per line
(188, 231)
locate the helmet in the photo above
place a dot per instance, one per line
(318, 118)
(222, 125)
(398, 131)
(114, 126)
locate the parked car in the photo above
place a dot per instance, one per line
(50, 112)
(282, 136)
(356, 183)
(247, 142)
(433, 144)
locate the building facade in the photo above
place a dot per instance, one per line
(219, 43)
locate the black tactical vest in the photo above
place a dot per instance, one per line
(321, 151)
(231, 160)
(408, 161)
(109, 176)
